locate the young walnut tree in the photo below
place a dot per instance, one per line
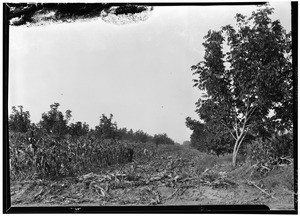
(248, 89)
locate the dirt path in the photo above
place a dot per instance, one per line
(173, 176)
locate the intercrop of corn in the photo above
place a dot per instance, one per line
(55, 156)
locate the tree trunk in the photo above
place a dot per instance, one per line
(234, 153)
(236, 148)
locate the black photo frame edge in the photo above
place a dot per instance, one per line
(235, 209)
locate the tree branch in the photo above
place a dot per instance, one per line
(236, 126)
(229, 130)
(252, 110)
(248, 114)
(239, 144)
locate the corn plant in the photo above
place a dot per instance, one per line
(56, 156)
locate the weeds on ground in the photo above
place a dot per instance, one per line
(205, 162)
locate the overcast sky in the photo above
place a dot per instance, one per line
(139, 72)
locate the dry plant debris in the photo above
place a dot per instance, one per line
(170, 177)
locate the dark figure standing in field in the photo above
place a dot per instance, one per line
(129, 154)
(32, 140)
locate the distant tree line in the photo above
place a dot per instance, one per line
(56, 123)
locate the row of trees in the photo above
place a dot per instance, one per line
(56, 123)
(248, 90)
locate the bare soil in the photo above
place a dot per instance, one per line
(173, 175)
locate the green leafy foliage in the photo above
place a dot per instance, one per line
(55, 156)
(53, 148)
(19, 120)
(21, 156)
(78, 129)
(198, 136)
(162, 139)
(54, 122)
(186, 143)
(270, 150)
(205, 139)
(257, 79)
(107, 129)
(140, 136)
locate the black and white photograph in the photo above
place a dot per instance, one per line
(150, 107)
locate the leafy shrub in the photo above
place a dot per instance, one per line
(162, 139)
(54, 121)
(206, 162)
(107, 129)
(19, 120)
(269, 150)
(78, 129)
(205, 139)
